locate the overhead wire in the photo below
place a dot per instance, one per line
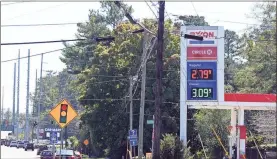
(30, 25)
(7, 4)
(53, 6)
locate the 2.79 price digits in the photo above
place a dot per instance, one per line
(202, 74)
(202, 92)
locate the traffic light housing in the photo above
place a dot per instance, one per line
(63, 114)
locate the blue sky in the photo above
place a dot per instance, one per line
(217, 14)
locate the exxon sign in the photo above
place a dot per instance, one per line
(208, 35)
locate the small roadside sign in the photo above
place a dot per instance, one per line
(150, 121)
(134, 142)
(86, 142)
(133, 133)
(53, 137)
(63, 113)
(133, 137)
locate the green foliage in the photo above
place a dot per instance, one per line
(250, 141)
(173, 148)
(74, 141)
(205, 119)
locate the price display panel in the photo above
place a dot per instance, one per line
(201, 70)
(202, 90)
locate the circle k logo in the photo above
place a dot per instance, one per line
(202, 51)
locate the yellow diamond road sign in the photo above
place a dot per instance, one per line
(63, 113)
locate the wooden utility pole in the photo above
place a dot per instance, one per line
(158, 92)
(142, 99)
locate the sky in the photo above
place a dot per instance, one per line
(231, 15)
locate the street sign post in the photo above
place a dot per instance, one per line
(150, 121)
(53, 137)
(133, 137)
(63, 113)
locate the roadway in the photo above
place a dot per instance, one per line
(14, 153)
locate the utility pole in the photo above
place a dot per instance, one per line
(158, 92)
(142, 99)
(131, 107)
(40, 94)
(27, 99)
(18, 86)
(14, 88)
(35, 109)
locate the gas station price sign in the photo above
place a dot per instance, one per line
(202, 80)
(201, 70)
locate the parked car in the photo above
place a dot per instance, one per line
(67, 154)
(46, 154)
(20, 144)
(7, 143)
(29, 146)
(13, 144)
(25, 142)
(78, 155)
(41, 148)
(3, 141)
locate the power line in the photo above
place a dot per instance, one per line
(58, 41)
(32, 55)
(41, 42)
(29, 25)
(6, 4)
(24, 14)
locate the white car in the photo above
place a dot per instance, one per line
(13, 144)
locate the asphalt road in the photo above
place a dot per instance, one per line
(14, 153)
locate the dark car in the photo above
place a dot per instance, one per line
(7, 143)
(41, 148)
(29, 146)
(65, 154)
(46, 154)
(3, 141)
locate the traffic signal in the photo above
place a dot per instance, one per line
(63, 114)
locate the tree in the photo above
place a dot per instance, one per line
(172, 148)
(102, 70)
(232, 58)
(259, 71)
(55, 87)
(206, 120)
(8, 117)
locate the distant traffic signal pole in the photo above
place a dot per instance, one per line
(40, 94)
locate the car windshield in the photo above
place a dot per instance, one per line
(47, 153)
(65, 152)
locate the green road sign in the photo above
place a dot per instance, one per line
(150, 121)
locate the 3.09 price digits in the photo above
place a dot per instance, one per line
(202, 92)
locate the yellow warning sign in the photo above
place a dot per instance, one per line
(63, 113)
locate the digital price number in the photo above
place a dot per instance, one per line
(202, 80)
(201, 74)
(202, 92)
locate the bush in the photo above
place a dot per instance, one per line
(173, 148)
